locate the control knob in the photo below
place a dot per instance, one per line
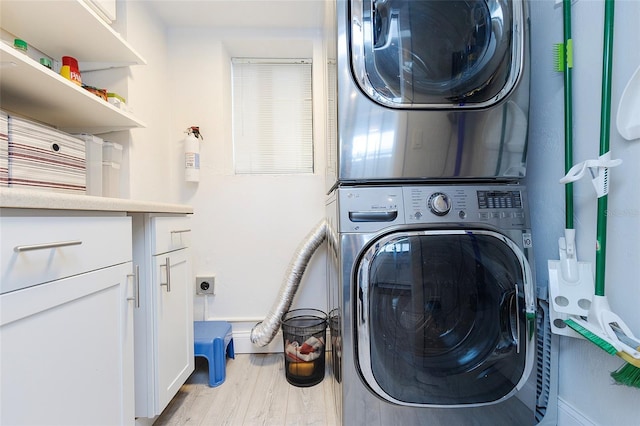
(439, 203)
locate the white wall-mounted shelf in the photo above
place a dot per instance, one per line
(67, 28)
(29, 89)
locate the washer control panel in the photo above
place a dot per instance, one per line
(499, 199)
(368, 209)
(501, 206)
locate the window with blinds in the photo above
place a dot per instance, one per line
(272, 116)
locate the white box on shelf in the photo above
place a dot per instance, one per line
(94, 148)
(43, 157)
(110, 179)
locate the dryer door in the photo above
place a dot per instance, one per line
(436, 53)
(444, 318)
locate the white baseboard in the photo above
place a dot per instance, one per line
(144, 421)
(242, 343)
(241, 329)
(568, 415)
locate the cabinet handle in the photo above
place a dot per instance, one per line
(167, 265)
(136, 294)
(44, 246)
(180, 231)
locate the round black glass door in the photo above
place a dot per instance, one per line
(444, 317)
(421, 52)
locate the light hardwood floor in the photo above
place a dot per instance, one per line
(255, 392)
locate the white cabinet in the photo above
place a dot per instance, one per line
(174, 316)
(66, 320)
(106, 9)
(164, 322)
(59, 28)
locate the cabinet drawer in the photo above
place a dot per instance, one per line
(170, 233)
(36, 250)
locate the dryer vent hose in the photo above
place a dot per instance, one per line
(263, 332)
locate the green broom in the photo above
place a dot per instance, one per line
(570, 280)
(604, 328)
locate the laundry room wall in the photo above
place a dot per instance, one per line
(587, 394)
(247, 227)
(146, 172)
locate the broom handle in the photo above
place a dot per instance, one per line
(568, 113)
(605, 126)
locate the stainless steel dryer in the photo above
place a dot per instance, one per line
(428, 89)
(432, 305)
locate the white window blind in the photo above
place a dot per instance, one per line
(272, 116)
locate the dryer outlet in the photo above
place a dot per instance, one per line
(205, 284)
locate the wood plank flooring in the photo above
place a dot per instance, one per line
(255, 392)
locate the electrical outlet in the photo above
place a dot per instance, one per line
(205, 285)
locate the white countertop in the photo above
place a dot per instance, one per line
(33, 199)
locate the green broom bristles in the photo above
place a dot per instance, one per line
(628, 375)
(592, 337)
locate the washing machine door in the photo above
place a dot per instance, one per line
(445, 318)
(441, 54)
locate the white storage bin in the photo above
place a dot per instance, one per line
(110, 179)
(94, 146)
(45, 158)
(112, 152)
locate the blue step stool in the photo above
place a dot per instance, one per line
(213, 340)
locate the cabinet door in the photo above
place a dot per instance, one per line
(67, 351)
(174, 324)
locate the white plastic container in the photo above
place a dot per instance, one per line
(110, 179)
(112, 152)
(111, 161)
(94, 146)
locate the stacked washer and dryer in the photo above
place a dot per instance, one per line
(431, 296)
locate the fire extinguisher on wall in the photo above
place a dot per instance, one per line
(192, 154)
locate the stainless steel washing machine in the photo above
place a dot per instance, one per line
(432, 304)
(428, 89)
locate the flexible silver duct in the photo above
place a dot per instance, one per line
(263, 332)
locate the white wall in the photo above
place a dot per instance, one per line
(247, 228)
(584, 382)
(151, 175)
(146, 172)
